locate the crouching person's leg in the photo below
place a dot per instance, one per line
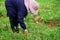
(14, 24)
(22, 12)
(21, 21)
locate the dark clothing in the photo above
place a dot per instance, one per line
(16, 11)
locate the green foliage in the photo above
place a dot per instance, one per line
(48, 9)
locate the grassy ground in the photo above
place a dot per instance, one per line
(48, 10)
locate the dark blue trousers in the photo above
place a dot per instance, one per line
(16, 11)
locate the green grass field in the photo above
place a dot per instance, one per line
(43, 30)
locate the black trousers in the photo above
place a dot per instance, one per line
(16, 11)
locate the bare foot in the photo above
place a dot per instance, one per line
(26, 31)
